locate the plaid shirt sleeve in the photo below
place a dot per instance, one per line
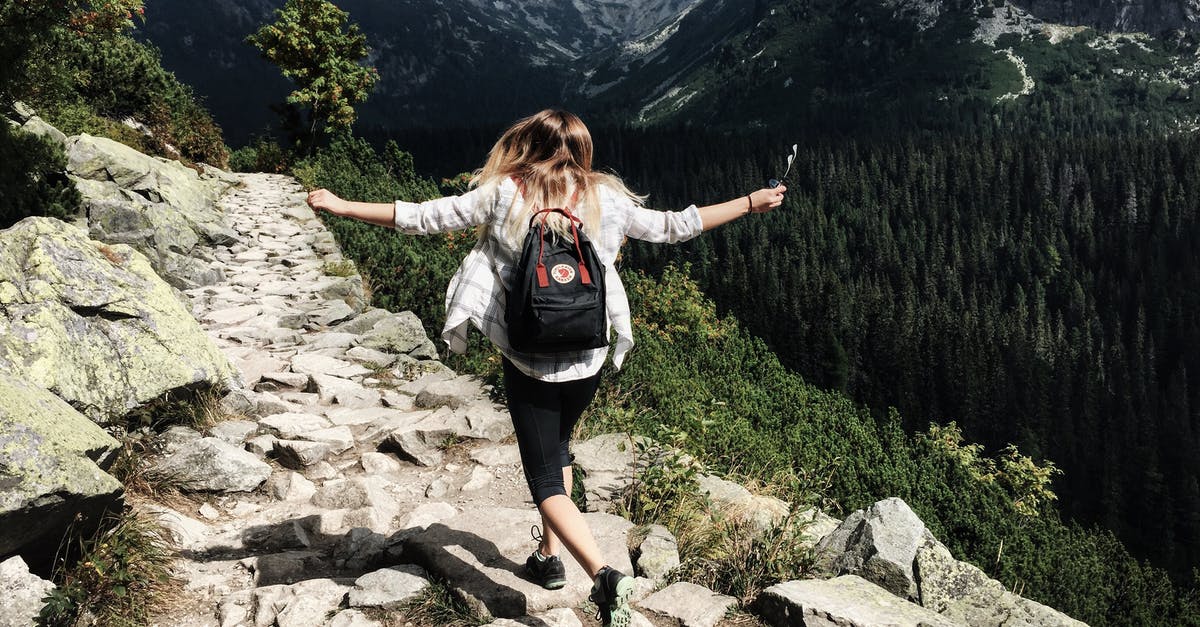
(452, 213)
(661, 227)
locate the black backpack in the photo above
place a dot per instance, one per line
(556, 303)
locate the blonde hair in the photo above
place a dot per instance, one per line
(550, 154)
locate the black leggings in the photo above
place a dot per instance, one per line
(543, 415)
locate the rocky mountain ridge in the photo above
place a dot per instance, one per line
(350, 468)
(1122, 16)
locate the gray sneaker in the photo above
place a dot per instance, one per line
(547, 571)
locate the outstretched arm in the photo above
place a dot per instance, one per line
(439, 215)
(381, 213)
(760, 201)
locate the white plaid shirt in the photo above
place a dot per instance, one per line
(477, 291)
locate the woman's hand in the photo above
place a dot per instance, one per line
(328, 201)
(766, 199)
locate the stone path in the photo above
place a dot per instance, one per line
(355, 453)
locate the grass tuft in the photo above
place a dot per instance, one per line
(437, 606)
(116, 577)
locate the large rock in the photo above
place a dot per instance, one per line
(52, 461)
(481, 553)
(878, 544)
(158, 207)
(736, 502)
(94, 324)
(389, 588)
(963, 593)
(213, 465)
(156, 180)
(656, 554)
(21, 593)
(690, 604)
(609, 464)
(397, 333)
(846, 601)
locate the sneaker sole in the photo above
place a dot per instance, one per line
(554, 584)
(621, 613)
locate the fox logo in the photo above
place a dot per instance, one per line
(563, 273)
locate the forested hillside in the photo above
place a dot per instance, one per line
(1038, 290)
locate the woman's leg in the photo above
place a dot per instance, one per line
(575, 397)
(551, 545)
(538, 419)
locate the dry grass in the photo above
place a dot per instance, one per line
(435, 607)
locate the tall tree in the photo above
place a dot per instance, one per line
(315, 45)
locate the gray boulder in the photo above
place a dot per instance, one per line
(21, 593)
(846, 601)
(156, 180)
(158, 207)
(609, 464)
(52, 462)
(213, 465)
(397, 333)
(453, 393)
(736, 502)
(481, 553)
(94, 324)
(38, 126)
(878, 544)
(656, 554)
(389, 588)
(419, 446)
(690, 604)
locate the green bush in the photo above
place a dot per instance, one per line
(262, 154)
(32, 181)
(91, 83)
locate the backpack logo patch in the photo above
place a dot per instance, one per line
(563, 273)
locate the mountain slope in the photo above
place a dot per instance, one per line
(799, 61)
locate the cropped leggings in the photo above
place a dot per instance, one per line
(544, 414)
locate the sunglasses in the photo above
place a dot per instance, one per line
(773, 183)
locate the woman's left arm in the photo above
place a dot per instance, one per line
(760, 201)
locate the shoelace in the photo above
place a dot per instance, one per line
(536, 532)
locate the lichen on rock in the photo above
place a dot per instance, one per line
(94, 324)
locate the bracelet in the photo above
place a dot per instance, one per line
(751, 201)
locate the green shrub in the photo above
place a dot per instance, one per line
(262, 154)
(92, 83)
(32, 180)
(77, 117)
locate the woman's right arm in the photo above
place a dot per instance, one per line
(381, 213)
(451, 213)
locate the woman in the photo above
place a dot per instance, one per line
(545, 161)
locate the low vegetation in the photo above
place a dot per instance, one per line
(117, 577)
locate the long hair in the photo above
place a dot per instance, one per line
(550, 153)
